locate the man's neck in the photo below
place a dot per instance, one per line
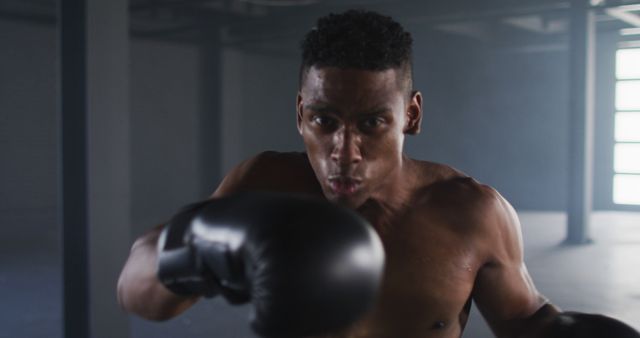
(396, 192)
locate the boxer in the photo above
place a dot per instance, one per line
(448, 239)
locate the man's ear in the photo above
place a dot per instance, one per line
(299, 112)
(414, 114)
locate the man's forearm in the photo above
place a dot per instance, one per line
(139, 290)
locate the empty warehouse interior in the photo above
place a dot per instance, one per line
(115, 114)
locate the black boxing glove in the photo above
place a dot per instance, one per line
(205, 262)
(180, 268)
(584, 325)
(308, 266)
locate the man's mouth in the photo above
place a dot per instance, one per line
(344, 185)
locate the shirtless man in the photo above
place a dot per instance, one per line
(448, 239)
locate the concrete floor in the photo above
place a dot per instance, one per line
(603, 277)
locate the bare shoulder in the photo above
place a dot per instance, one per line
(431, 172)
(462, 200)
(271, 171)
(440, 182)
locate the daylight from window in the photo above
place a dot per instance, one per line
(626, 180)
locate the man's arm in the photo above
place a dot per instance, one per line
(239, 247)
(503, 289)
(139, 291)
(506, 295)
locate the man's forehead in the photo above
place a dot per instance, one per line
(334, 75)
(320, 106)
(329, 83)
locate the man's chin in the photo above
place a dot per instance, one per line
(348, 201)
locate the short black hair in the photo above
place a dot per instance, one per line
(357, 39)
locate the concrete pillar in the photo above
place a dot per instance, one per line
(233, 105)
(94, 47)
(581, 114)
(210, 130)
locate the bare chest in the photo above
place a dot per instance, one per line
(429, 275)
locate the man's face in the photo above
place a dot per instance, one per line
(353, 124)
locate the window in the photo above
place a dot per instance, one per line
(626, 180)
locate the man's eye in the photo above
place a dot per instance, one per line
(373, 122)
(322, 121)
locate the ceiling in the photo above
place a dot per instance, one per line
(252, 22)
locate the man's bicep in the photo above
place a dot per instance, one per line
(504, 293)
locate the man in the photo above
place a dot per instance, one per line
(448, 239)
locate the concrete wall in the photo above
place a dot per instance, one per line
(165, 168)
(165, 105)
(497, 115)
(28, 135)
(258, 105)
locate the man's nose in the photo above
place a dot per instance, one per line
(346, 149)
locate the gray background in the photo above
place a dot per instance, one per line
(497, 111)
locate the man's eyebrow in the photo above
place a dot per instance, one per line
(377, 111)
(321, 108)
(327, 108)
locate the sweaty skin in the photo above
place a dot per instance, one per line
(448, 239)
